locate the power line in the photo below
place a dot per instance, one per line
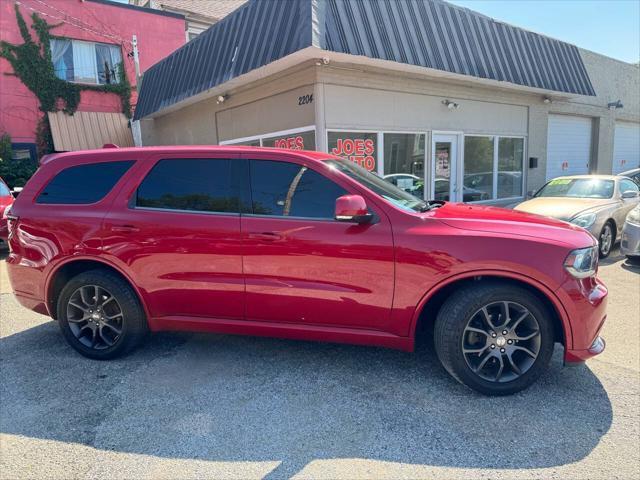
(82, 23)
(90, 30)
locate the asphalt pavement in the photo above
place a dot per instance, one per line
(216, 406)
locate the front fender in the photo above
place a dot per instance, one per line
(543, 289)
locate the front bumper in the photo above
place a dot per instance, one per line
(585, 302)
(576, 357)
(630, 240)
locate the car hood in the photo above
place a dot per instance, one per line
(511, 222)
(562, 208)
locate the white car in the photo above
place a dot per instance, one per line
(630, 240)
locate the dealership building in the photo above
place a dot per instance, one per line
(449, 103)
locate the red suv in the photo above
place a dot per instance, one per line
(240, 240)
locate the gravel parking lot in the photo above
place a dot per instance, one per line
(194, 406)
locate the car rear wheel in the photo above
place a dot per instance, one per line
(494, 338)
(605, 240)
(100, 315)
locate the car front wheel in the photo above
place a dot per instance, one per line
(494, 338)
(100, 315)
(605, 240)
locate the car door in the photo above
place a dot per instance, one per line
(177, 230)
(301, 265)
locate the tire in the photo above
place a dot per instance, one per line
(463, 310)
(604, 249)
(101, 333)
(633, 259)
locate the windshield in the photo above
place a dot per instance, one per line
(373, 182)
(578, 188)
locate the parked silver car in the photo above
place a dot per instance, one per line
(598, 203)
(630, 240)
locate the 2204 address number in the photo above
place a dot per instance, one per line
(305, 99)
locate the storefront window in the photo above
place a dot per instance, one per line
(404, 161)
(478, 167)
(294, 141)
(510, 159)
(361, 148)
(248, 143)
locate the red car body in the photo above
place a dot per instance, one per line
(6, 200)
(296, 278)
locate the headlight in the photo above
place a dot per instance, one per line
(584, 220)
(634, 216)
(583, 262)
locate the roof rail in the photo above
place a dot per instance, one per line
(110, 145)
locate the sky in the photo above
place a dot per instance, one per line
(609, 27)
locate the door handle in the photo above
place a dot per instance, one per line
(124, 228)
(265, 236)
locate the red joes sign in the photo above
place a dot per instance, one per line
(357, 147)
(293, 143)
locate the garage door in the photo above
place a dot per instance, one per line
(568, 145)
(626, 147)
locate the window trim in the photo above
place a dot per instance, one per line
(182, 212)
(261, 137)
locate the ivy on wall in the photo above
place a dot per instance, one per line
(31, 63)
(15, 172)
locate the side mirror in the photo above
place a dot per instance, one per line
(352, 208)
(630, 194)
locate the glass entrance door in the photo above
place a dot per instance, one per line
(444, 152)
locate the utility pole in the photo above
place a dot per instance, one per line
(136, 59)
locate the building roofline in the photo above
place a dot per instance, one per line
(139, 9)
(550, 37)
(442, 37)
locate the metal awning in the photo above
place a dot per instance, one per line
(89, 130)
(431, 34)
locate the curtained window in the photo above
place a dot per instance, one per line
(86, 62)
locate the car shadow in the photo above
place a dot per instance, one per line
(614, 257)
(228, 398)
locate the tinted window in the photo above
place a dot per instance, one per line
(379, 186)
(83, 184)
(204, 185)
(627, 185)
(287, 189)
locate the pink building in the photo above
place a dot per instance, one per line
(94, 38)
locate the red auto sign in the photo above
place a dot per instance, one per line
(358, 150)
(293, 143)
